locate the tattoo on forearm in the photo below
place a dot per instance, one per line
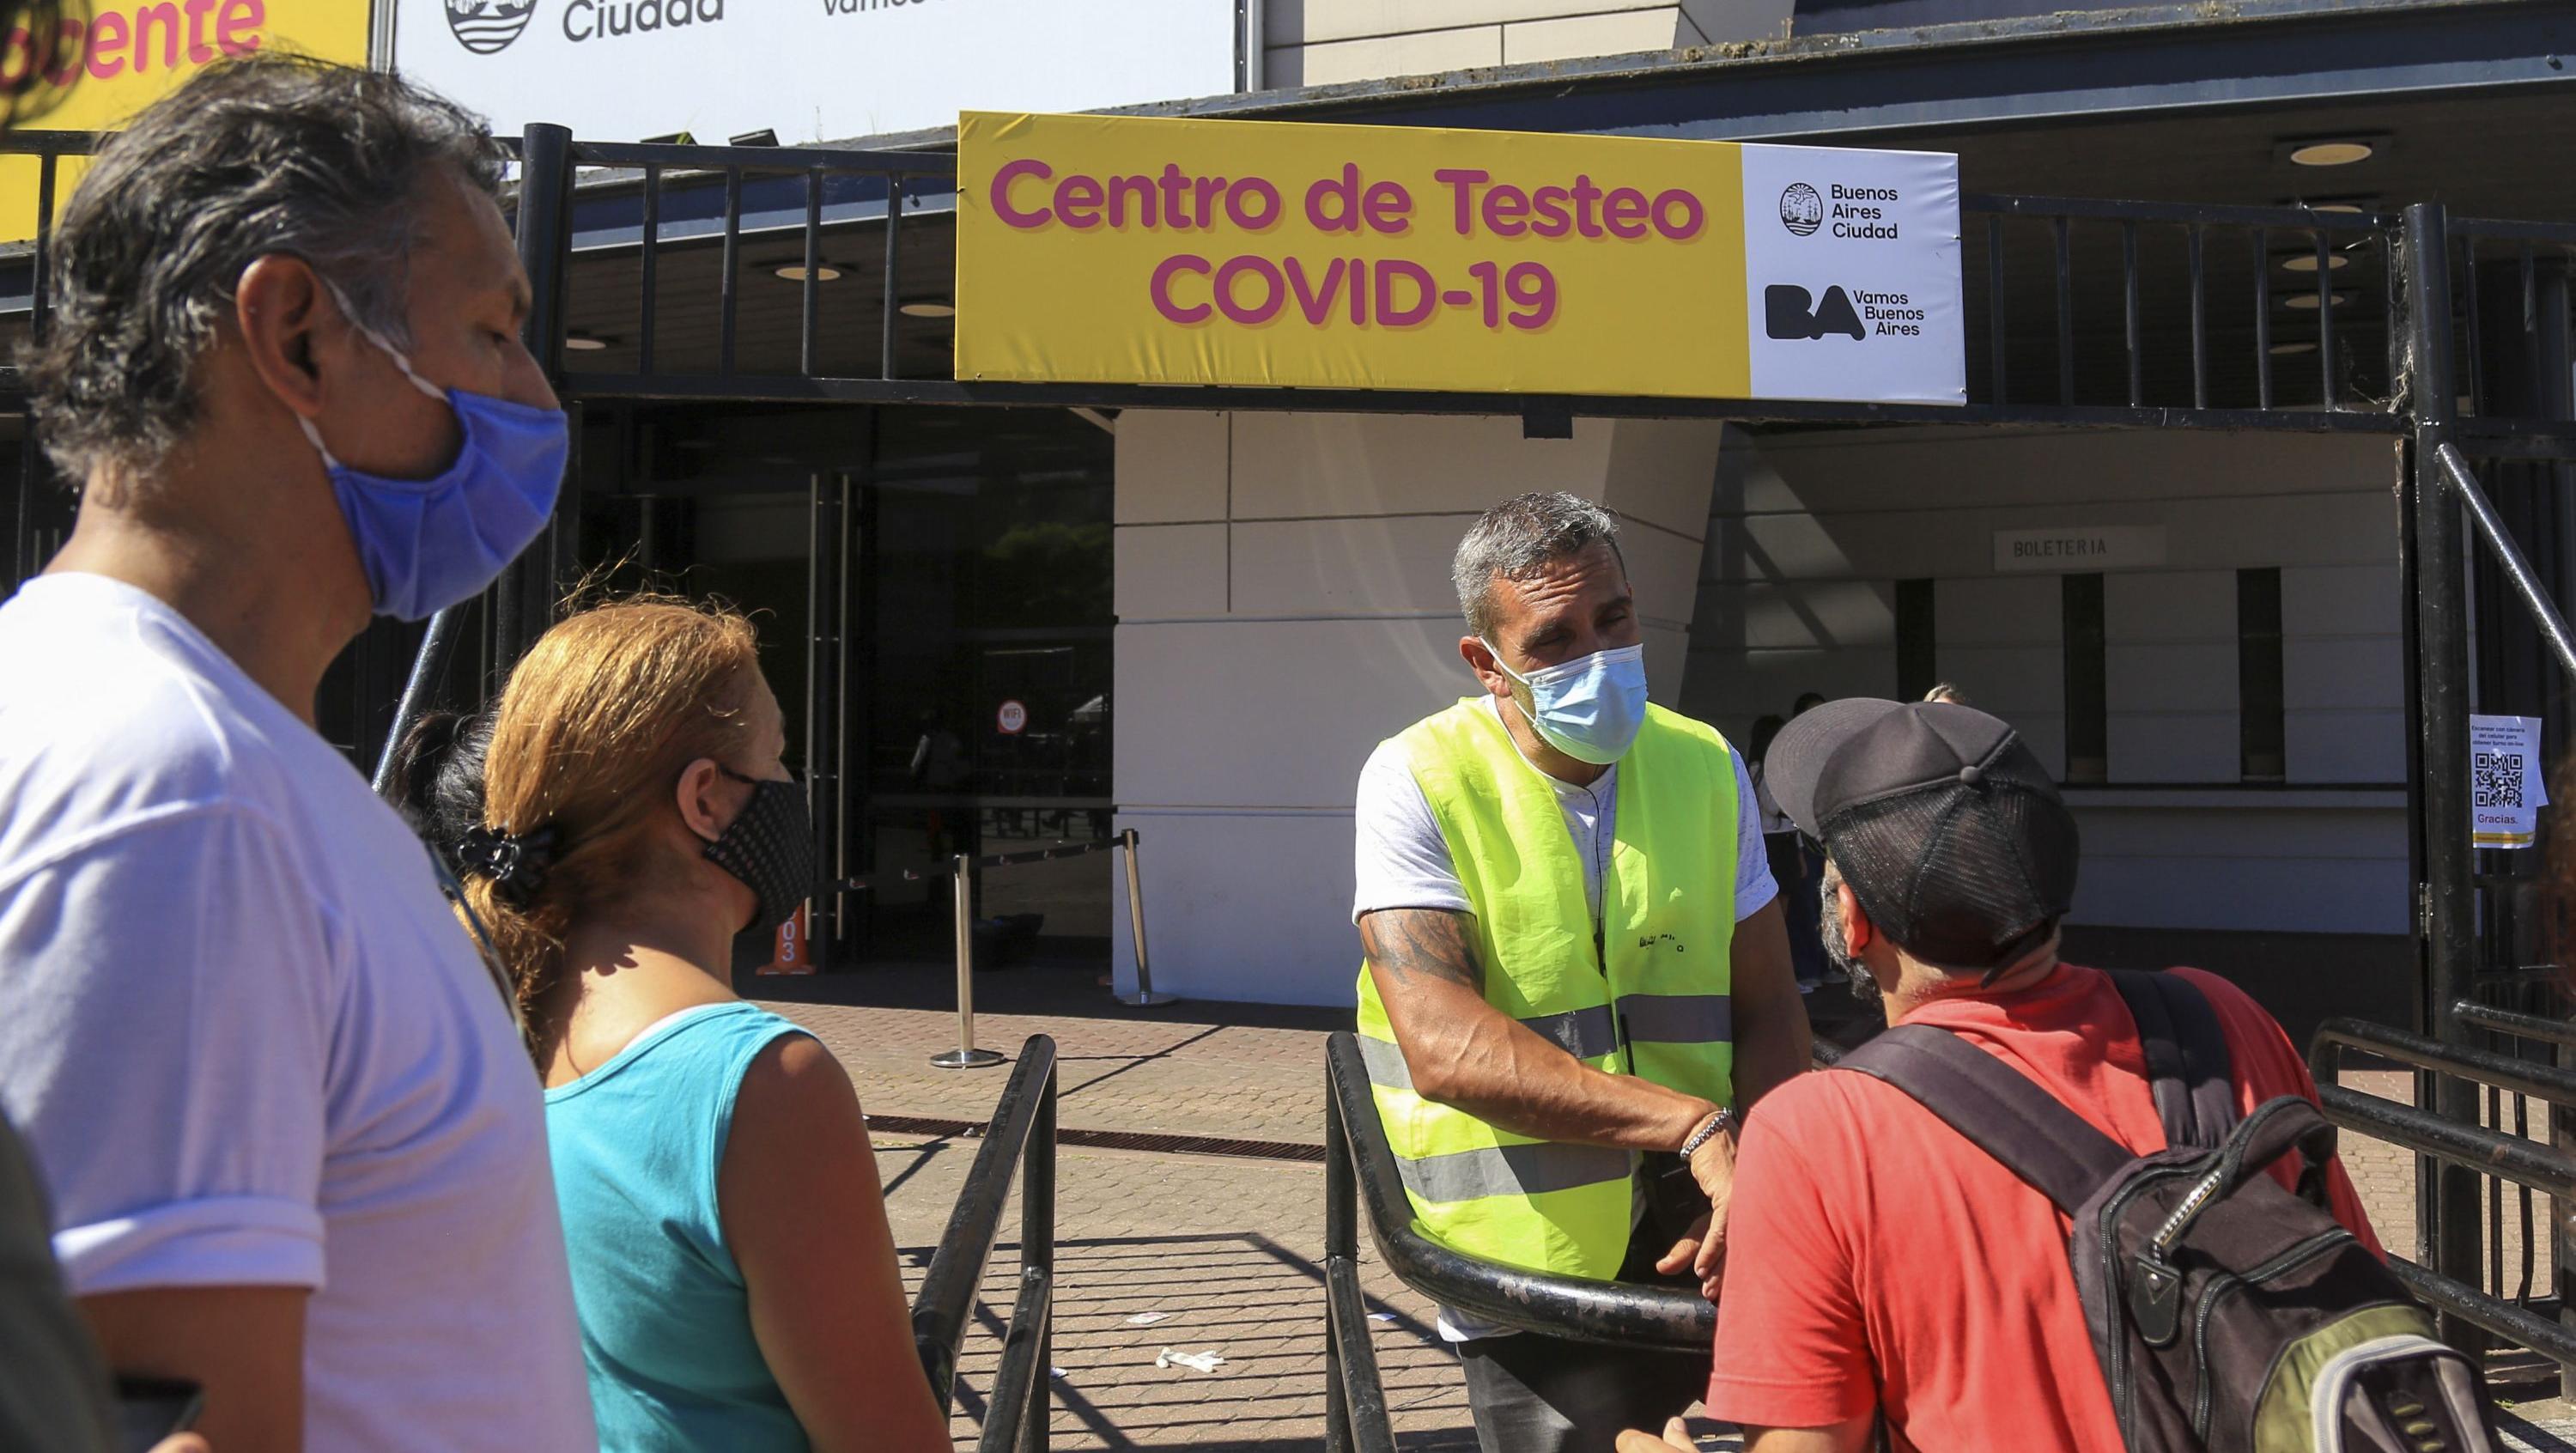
(1429, 943)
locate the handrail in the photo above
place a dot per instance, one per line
(2211, 214)
(1359, 1165)
(779, 159)
(1022, 1129)
(2521, 1026)
(2491, 1152)
(2517, 569)
(1616, 1314)
(2530, 1329)
(2454, 1142)
(2503, 1071)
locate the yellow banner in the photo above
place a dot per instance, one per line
(131, 53)
(1143, 250)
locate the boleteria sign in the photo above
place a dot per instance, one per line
(1268, 253)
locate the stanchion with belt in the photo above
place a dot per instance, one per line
(1144, 993)
(965, 1056)
(961, 870)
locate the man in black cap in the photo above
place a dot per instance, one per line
(1880, 1264)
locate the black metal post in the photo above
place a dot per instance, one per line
(1341, 1244)
(427, 666)
(2448, 923)
(2065, 311)
(822, 710)
(523, 598)
(1037, 1252)
(2129, 301)
(35, 471)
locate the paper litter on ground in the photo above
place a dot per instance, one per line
(1147, 1319)
(1381, 1316)
(1195, 1361)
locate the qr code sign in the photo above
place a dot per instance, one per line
(2498, 779)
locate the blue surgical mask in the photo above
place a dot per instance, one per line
(1590, 708)
(426, 544)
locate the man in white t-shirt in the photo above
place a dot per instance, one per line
(1577, 977)
(295, 1147)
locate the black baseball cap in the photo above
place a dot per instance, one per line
(1947, 828)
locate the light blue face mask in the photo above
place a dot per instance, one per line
(426, 544)
(1590, 708)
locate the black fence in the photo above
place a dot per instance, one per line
(1019, 1138)
(1360, 1172)
(2498, 1157)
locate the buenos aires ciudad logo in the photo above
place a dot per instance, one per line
(1801, 210)
(485, 26)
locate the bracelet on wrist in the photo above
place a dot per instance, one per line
(1709, 1129)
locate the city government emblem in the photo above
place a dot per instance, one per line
(485, 26)
(1801, 210)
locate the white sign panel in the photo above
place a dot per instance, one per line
(811, 70)
(1851, 271)
(2080, 549)
(2506, 790)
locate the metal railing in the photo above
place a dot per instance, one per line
(2493, 1154)
(870, 184)
(2337, 246)
(1020, 1137)
(1360, 1172)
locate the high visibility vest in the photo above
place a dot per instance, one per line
(1645, 993)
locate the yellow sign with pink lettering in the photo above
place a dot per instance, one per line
(120, 56)
(1105, 249)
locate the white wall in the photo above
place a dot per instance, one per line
(1283, 605)
(1808, 534)
(1320, 42)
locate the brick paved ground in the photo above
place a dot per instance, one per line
(1229, 1247)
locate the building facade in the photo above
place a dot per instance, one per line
(1046, 624)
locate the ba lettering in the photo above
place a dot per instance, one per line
(1790, 311)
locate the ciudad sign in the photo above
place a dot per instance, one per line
(1288, 254)
(809, 70)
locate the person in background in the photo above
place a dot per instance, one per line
(1807, 701)
(1784, 848)
(294, 1156)
(1573, 956)
(1947, 692)
(730, 1256)
(1885, 1270)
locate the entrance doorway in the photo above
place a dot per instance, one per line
(932, 588)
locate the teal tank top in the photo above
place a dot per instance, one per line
(665, 1317)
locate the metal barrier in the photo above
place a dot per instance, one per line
(1360, 1170)
(2457, 1143)
(1022, 1130)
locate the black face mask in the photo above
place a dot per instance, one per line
(770, 847)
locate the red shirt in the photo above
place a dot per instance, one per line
(1876, 1259)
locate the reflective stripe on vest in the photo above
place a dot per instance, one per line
(1678, 1018)
(1651, 998)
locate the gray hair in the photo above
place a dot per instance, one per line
(262, 155)
(1515, 539)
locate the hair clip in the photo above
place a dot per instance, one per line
(515, 862)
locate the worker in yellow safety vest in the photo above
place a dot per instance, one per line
(1577, 979)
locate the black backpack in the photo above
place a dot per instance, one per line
(2227, 1314)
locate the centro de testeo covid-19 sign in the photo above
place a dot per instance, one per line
(1266, 253)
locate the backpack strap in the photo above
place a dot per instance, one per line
(1997, 1108)
(2187, 1059)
